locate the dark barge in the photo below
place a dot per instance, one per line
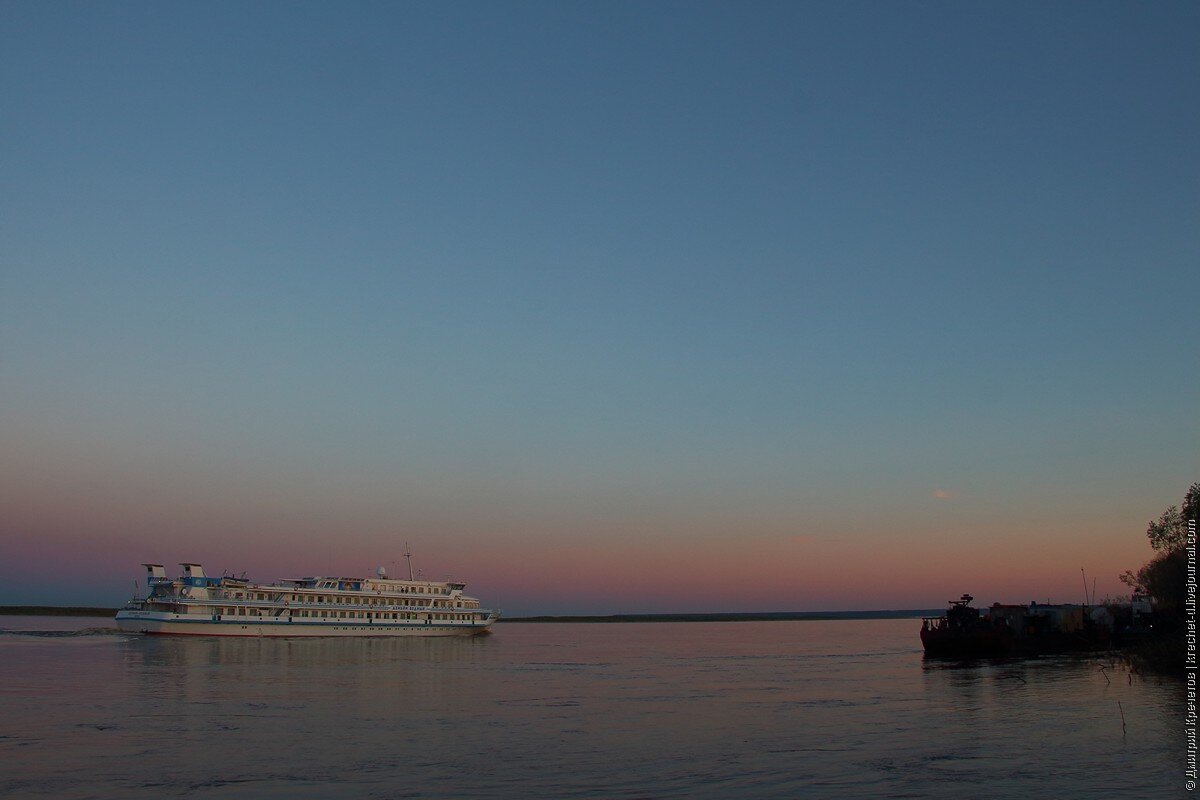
(1016, 630)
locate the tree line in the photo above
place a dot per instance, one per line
(1164, 577)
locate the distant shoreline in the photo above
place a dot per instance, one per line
(764, 616)
(57, 611)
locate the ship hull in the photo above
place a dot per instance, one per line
(980, 642)
(167, 624)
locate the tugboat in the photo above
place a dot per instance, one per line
(962, 633)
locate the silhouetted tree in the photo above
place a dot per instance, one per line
(1164, 578)
(1191, 504)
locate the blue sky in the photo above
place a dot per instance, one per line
(604, 281)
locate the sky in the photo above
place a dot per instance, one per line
(604, 307)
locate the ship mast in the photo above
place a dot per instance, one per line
(408, 555)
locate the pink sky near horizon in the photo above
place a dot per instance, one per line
(91, 530)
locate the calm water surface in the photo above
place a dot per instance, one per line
(838, 709)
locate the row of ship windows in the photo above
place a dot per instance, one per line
(408, 589)
(307, 598)
(300, 612)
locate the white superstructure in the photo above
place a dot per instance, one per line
(196, 604)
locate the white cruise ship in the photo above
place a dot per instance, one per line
(196, 604)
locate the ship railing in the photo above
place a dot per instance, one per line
(277, 604)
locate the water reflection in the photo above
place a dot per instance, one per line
(1062, 714)
(830, 709)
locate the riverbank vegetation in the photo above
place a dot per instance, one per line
(1164, 579)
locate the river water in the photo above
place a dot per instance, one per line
(790, 709)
